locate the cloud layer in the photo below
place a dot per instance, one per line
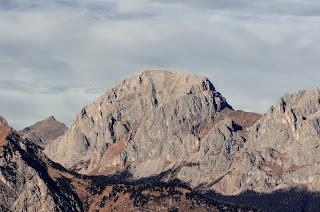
(58, 55)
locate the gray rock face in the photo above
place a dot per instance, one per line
(146, 123)
(155, 122)
(282, 149)
(25, 181)
(29, 181)
(161, 121)
(44, 132)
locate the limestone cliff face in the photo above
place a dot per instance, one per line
(164, 122)
(29, 181)
(146, 122)
(155, 122)
(282, 149)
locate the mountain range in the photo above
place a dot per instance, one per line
(162, 140)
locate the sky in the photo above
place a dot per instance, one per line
(56, 56)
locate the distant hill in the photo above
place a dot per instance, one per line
(44, 132)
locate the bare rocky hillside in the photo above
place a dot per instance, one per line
(160, 121)
(29, 181)
(155, 122)
(44, 132)
(169, 141)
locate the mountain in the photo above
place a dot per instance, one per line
(161, 140)
(283, 147)
(155, 122)
(165, 122)
(44, 132)
(29, 181)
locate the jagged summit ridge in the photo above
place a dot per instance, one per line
(282, 149)
(159, 87)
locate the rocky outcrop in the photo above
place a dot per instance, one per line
(155, 122)
(44, 132)
(145, 123)
(26, 177)
(283, 148)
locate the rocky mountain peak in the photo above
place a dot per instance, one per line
(44, 132)
(165, 80)
(297, 111)
(303, 103)
(158, 87)
(174, 130)
(144, 107)
(283, 147)
(166, 122)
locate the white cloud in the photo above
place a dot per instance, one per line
(74, 50)
(132, 6)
